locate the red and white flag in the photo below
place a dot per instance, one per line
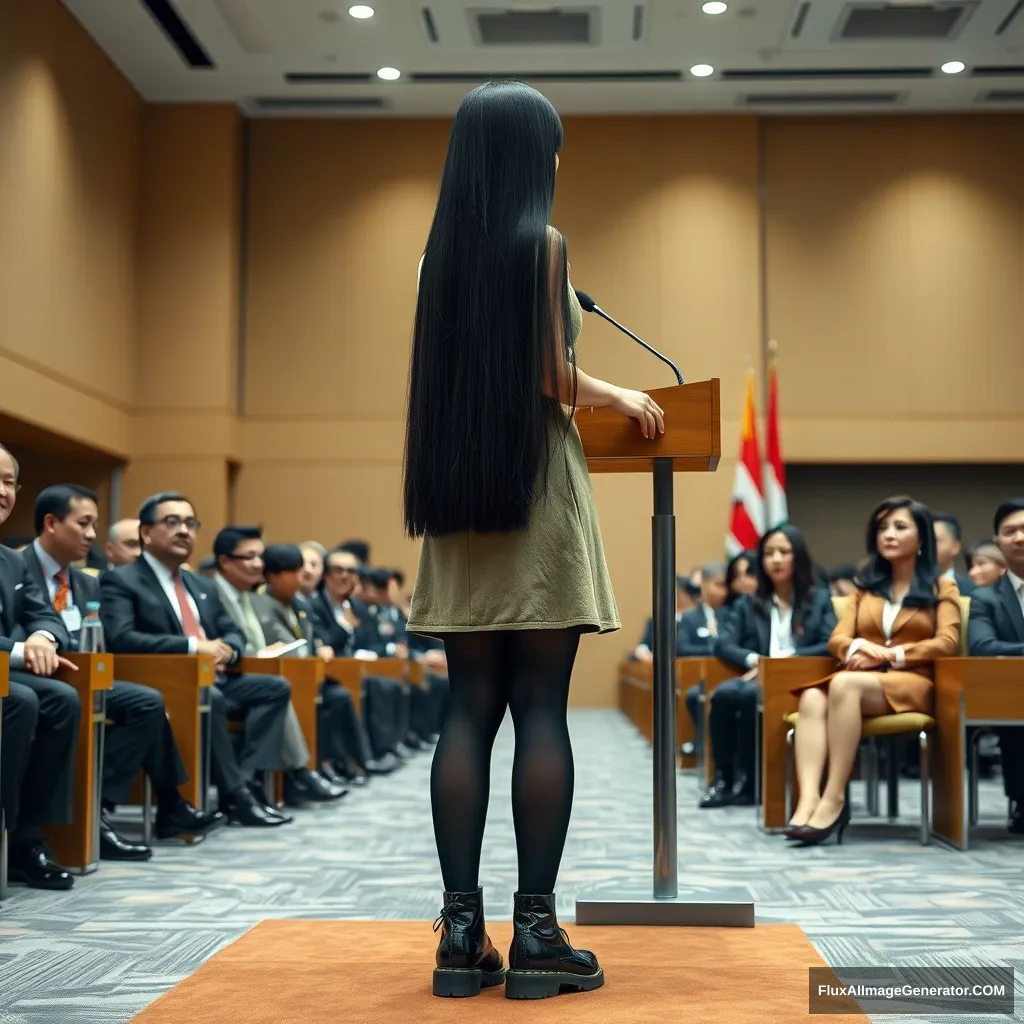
(775, 504)
(747, 522)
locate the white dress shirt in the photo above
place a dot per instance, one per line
(166, 581)
(50, 570)
(781, 643)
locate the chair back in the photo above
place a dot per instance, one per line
(965, 614)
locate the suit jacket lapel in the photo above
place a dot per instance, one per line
(149, 577)
(1011, 604)
(764, 632)
(36, 569)
(903, 616)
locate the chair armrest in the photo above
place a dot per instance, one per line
(389, 668)
(92, 672)
(992, 688)
(778, 676)
(5, 669)
(168, 673)
(689, 672)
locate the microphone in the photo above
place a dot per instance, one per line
(591, 306)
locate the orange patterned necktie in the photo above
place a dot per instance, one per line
(60, 599)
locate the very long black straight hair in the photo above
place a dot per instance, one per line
(491, 315)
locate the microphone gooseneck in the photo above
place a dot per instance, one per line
(590, 306)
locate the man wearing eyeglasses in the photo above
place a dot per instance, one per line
(154, 606)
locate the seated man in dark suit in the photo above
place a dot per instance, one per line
(238, 551)
(344, 624)
(995, 629)
(687, 596)
(65, 521)
(153, 606)
(344, 748)
(696, 631)
(40, 715)
(947, 551)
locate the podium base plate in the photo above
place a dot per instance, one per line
(692, 908)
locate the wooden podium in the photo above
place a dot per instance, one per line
(691, 443)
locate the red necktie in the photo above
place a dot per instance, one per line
(189, 625)
(60, 599)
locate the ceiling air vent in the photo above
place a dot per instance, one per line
(311, 103)
(809, 74)
(901, 22)
(466, 77)
(998, 71)
(178, 33)
(1003, 96)
(328, 77)
(560, 27)
(820, 99)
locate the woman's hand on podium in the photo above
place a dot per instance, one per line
(640, 407)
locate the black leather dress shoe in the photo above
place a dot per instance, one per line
(718, 794)
(244, 809)
(305, 786)
(115, 847)
(1015, 818)
(183, 819)
(32, 865)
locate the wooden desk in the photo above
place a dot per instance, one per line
(689, 673)
(185, 681)
(636, 695)
(714, 673)
(304, 675)
(777, 676)
(968, 691)
(76, 845)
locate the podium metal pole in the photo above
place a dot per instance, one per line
(663, 548)
(715, 908)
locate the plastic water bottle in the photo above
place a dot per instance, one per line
(90, 639)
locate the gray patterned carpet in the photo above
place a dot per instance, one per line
(98, 954)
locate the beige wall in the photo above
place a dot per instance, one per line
(666, 236)
(185, 428)
(69, 146)
(894, 266)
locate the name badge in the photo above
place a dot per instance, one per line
(72, 619)
(703, 631)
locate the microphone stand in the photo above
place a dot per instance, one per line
(640, 341)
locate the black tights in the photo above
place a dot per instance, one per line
(528, 672)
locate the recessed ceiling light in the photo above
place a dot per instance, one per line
(361, 11)
(953, 67)
(715, 7)
(702, 70)
(389, 74)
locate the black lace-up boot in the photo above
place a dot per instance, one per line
(466, 959)
(541, 962)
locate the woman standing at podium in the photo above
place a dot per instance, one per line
(512, 569)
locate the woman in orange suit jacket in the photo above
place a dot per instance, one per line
(900, 618)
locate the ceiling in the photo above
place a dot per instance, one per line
(311, 58)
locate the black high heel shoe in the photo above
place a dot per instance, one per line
(817, 836)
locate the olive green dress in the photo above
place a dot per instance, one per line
(552, 575)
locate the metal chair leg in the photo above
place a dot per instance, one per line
(147, 811)
(926, 789)
(892, 782)
(972, 779)
(3, 855)
(789, 773)
(871, 781)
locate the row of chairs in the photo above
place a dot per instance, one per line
(971, 696)
(184, 681)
